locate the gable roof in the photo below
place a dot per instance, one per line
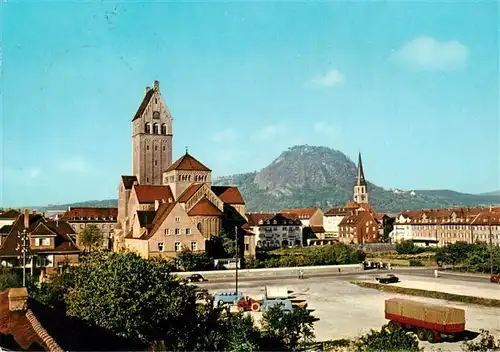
(76, 213)
(189, 192)
(161, 214)
(302, 213)
(144, 104)
(204, 207)
(128, 181)
(63, 242)
(228, 194)
(356, 219)
(187, 163)
(150, 193)
(10, 214)
(255, 218)
(340, 211)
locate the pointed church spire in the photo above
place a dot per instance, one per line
(360, 191)
(361, 175)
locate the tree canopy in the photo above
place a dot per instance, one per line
(91, 238)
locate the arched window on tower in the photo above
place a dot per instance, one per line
(155, 128)
(163, 129)
(148, 128)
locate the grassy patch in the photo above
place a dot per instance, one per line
(489, 302)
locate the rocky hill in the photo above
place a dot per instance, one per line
(304, 176)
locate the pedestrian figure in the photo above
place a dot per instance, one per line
(435, 273)
(301, 274)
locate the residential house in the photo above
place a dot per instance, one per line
(312, 223)
(8, 217)
(103, 218)
(332, 219)
(275, 230)
(438, 227)
(359, 228)
(50, 243)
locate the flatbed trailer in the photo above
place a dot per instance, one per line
(430, 322)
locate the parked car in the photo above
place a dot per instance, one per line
(228, 297)
(195, 278)
(495, 278)
(387, 279)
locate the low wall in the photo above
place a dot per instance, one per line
(276, 272)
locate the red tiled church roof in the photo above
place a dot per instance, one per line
(150, 193)
(228, 194)
(204, 207)
(187, 163)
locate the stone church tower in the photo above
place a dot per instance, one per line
(360, 191)
(151, 138)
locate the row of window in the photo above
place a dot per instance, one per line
(276, 243)
(179, 232)
(42, 242)
(156, 148)
(103, 226)
(177, 246)
(156, 128)
(284, 228)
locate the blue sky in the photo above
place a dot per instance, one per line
(412, 85)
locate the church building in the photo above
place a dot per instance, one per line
(164, 207)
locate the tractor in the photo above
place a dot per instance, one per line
(247, 303)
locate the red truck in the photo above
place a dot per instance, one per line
(430, 322)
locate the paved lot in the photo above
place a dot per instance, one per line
(346, 310)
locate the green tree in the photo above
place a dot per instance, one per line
(408, 247)
(134, 298)
(9, 279)
(384, 340)
(188, 260)
(388, 226)
(286, 331)
(91, 238)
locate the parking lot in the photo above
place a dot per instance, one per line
(346, 310)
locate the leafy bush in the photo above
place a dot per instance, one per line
(336, 254)
(415, 262)
(384, 340)
(9, 279)
(476, 257)
(408, 247)
(283, 331)
(485, 343)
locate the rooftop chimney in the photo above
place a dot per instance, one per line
(26, 218)
(18, 299)
(157, 204)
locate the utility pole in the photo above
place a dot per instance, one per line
(491, 244)
(23, 245)
(237, 255)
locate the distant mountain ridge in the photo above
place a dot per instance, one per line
(306, 176)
